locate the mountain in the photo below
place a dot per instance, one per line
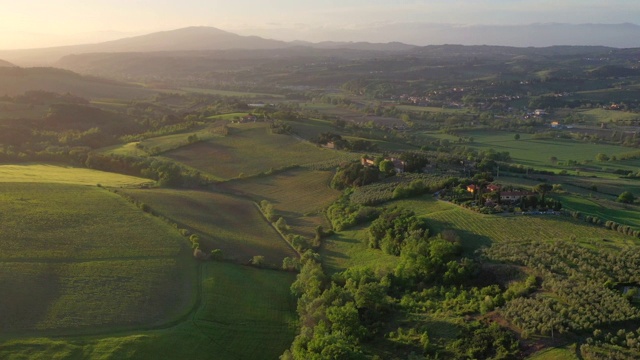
(15, 81)
(624, 35)
(186, 39)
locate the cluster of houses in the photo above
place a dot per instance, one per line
(506, 196)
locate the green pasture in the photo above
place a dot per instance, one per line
(478, 230)
(59, 221)
(350, 248)
(298, 195)
(531, 152)
(231, 224)
(604, 209)
(249, 149)
(232, 93)
(46, 173)
(245, 313)
(432, 109)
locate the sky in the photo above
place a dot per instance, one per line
(43, 23)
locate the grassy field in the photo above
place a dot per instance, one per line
(79, 259)
(45, 173)
(298, 195)
(604, 209)
(528, 151)
(349, 249)
(432, 109)
(249, 149)
(477, 230)
(223, 222)
(245, 314)
(597, 116)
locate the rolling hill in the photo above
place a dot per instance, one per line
(6, 64)
(15, 80)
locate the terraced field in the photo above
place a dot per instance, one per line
(249, 149)
(298, 195)
(231, 224)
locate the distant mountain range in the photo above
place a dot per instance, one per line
(6, 64)
(209, 38)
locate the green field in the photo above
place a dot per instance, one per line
(604, 209)
(45, 173)
(477, 230)
(253, 95)
(231, 224)
(81, 259)
(249, 149)
(554, 354)
(298, 195)
(59, 221)
(246, 313)
(349, 248)
(531, 152)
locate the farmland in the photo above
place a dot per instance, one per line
(245, 313)
(81, 259)
(216, 218)
(299, 195)
(249, 149)
(47, 173)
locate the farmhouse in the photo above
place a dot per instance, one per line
(493, 187)
(472, 188)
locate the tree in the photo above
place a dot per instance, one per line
(554, 160)
(386, 166)
(626, 198)
(602, 157)
(516, 136)
(257, 260)
(542, 189)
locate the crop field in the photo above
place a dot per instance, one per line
(250, 149)
(246, 313)
(477, 230)
(554, 354)
(81, 259)
(59, 221)
(597, 116)
(80, 296)
(432, 109)
(349, 248)
(223, 222)
(44, 173)
(606, 210)
(298, 195)
(230, 116)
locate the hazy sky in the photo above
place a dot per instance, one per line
(38, 23)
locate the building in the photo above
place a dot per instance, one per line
(514, 195)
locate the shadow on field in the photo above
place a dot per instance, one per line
(470, 241)
(27, 298)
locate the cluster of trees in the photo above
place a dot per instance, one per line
(344, 214)
(353, 175)
(394, 227)
(168, 174)
(344, 144)
(582, 282)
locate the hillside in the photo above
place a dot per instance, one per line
(6, 64)
(14, 81)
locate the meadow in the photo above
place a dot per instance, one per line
(298, 195)
(249, 149)
(48, 173)
(230, 93)
(245, 313)
(233, 225)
